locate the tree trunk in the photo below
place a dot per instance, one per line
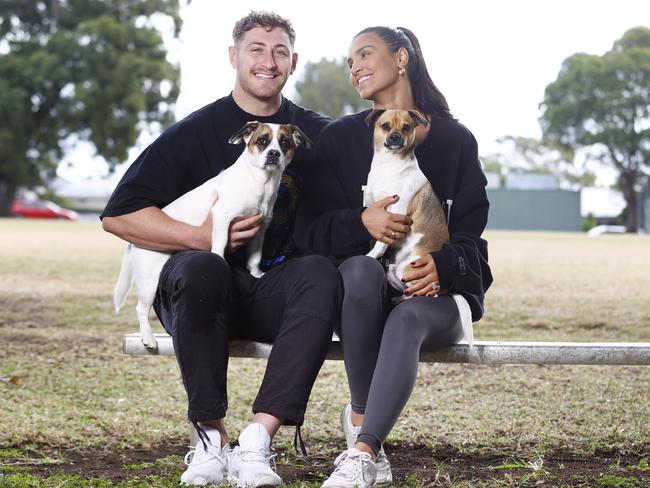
(7, 195)
(627, 184)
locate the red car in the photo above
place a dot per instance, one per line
(41, 209)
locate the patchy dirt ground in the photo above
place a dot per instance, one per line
(64, 381)
(441, 467)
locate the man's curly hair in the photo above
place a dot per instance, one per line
(267, 20)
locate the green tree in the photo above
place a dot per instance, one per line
(79, 70)
(603, 103)
(325, 87)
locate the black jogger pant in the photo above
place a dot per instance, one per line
(203, 303)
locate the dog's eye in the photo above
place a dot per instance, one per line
(262, 141)
(406, 128)
(385, 126)
(284, 143)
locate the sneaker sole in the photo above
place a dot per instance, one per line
(198, 481)
(266, 481)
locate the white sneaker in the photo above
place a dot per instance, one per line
(384, 473)
(206, 466)
(351, 432)
(354, 469)
(249, 463)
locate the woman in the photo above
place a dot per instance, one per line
(381, 342)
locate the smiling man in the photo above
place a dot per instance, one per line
(263, 59)
(203, 301)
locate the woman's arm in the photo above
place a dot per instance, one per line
(331, 220)
(462, 265)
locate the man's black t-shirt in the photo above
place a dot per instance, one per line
(196, 149)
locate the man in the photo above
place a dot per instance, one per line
(203, 300)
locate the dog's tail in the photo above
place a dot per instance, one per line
(125, 280)
(465, 318)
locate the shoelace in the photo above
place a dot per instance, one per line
(381, 457)
(209, 454)
(255, 455)
(349, 465)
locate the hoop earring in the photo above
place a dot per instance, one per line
(401, 70)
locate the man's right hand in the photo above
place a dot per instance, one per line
(242, 230)
(383, 225)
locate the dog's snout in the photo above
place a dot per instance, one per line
(273, 155)
(395, 138)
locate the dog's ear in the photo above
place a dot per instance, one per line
(418, 118)
(373, 116)
(244, 133)
(299, 137)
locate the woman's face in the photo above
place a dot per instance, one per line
(373, 67)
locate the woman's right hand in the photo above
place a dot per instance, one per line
(383, 225)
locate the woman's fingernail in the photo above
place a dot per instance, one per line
(407, 293)
(413, 263)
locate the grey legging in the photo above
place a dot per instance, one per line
(381, 343)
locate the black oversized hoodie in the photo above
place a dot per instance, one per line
(329, 215)
(196, 149)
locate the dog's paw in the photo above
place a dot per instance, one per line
(149, 341)
(256, 272)
(218, 250)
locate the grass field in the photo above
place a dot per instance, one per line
(75, 412)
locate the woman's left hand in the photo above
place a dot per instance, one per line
(422, 277)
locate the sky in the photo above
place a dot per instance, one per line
(491, 59)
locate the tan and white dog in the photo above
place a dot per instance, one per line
(249, 186)
(395, 171)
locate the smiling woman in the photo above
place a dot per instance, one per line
(379, 326)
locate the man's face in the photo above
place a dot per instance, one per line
(263, 60)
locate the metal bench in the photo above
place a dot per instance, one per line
(483, 352)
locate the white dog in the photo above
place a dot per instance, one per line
(247, 187)
(395, 171)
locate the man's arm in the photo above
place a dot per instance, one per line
(151, 228)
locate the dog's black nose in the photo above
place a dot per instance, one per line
(395, 138)
(273, 155)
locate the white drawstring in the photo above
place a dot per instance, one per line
(449, 202)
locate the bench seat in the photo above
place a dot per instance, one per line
(483, 352)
